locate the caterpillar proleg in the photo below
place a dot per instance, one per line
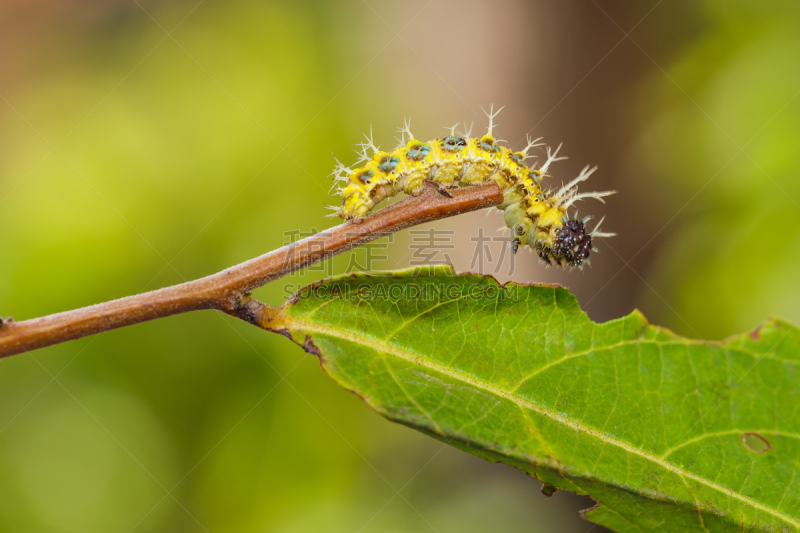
(536, 217)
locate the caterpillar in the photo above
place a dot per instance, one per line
(537, 217)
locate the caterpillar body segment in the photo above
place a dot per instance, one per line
(535, 217)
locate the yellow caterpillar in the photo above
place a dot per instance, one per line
(535, 217)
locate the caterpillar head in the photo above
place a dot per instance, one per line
(572, 244)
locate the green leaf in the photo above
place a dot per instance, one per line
(666, 433)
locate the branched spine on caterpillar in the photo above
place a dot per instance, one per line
(536, 217)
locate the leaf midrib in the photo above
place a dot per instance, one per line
(380, 346)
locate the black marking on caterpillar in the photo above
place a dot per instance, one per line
(536, 217)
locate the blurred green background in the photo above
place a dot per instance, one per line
(145, 143)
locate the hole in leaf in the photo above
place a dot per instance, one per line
(755, 442)
(548, 490)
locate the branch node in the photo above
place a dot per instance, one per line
(246, 308)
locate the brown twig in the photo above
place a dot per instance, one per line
(225, 291)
